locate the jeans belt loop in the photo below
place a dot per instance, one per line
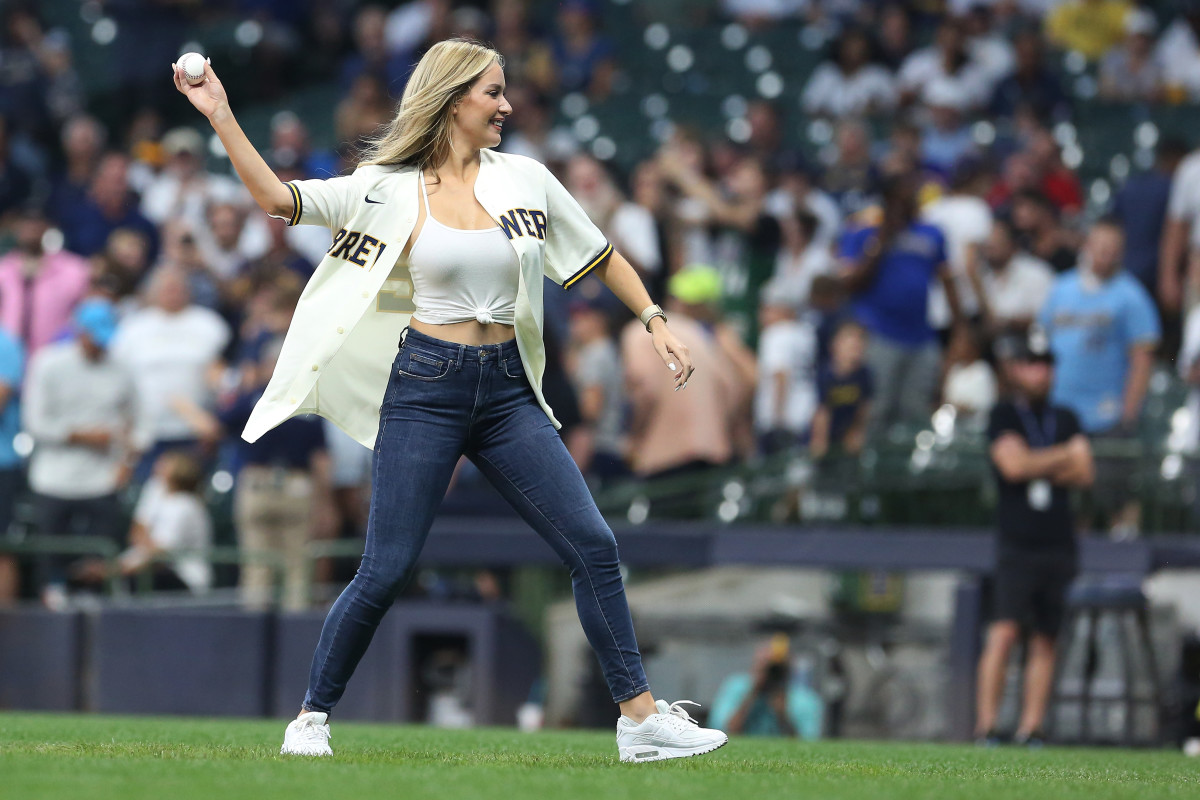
(462, 349)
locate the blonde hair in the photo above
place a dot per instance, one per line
(420, 132)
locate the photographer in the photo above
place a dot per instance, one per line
(768, 701)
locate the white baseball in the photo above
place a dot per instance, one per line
(192, 65)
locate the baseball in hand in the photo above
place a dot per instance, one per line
(192, 65)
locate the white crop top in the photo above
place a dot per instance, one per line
(461, 275)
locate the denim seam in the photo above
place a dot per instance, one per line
(582, 560)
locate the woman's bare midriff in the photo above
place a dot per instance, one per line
(470, 332)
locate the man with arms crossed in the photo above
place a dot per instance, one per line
(1040, 453)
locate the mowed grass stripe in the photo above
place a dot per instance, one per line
(93, 756)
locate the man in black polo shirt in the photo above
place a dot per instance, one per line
(1040, 453)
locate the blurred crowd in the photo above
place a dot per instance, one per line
(825, 298)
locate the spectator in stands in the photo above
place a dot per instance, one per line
(371, 55)
(786, 397)
(676, 433)
(894, 36)
(80, 407)
(849, 84)
(594, 368)
(180, 251)
(82, 142)
(1091, 27)
(1178, 51)
(109, 205)
(889, 268)
(1103, 330)
(1032, 83)
(1039, 232)
(845, 389)
(1039, 453)
(1141, 206)
(969, 385)
(360, 113)
(1057, 181)
(228, 239)
(797, 192)
(291, 146)
(170, 533)
(183, 189)
(965, 219)
(767, 701)
(1177, 269)
(988, 44)
(169, 347)
(281, 493)
(528, 60)
(802, 257)
(1188, 366)
(12, 368)
(947, 60)
(38, 289)
(748, 235)
(1131, 72)
(626, 224)
(583, 57)
(1010, 284)
(16, 182)
(851, 179)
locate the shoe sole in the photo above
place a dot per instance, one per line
(283, 751)
(641, 753)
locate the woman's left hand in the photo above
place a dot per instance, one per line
(673, 352)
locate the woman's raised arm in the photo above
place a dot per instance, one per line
(209, 99)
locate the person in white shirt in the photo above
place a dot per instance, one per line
(169, 347)
(965, 219)
(946, 60)
(849, 84)
(1189, 371)
(171, 529)
(470, 236)
(786, 397)
(80, 407)
(802, 258)
(1011, 285)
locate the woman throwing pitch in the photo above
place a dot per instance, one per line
(436, 230)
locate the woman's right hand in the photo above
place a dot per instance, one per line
(208, 97)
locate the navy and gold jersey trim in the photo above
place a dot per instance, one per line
(297, 204)
(591, 265)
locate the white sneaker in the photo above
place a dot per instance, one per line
(671, 733)
(307, 735)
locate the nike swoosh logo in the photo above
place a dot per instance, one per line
(376, 202)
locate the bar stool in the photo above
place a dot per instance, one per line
(1106, 686)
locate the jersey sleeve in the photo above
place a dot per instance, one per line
(574, 245)
(326, 202)
(1141, 321)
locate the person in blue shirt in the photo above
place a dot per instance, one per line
(888, 270)
(12, 367)
(1103, 328)
(768, 701)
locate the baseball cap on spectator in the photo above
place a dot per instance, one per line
(183, 140)
(1140, 22)
(584, 303)
(98, 319)
(1031, 347)
(695, 285)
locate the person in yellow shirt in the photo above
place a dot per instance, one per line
(1092, 27)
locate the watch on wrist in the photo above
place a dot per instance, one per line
(650, 313)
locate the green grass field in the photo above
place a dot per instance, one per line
(99, 757)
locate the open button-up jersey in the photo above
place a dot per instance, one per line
(339, 348)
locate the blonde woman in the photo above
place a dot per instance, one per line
(441, 244)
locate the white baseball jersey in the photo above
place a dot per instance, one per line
(337, 356)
